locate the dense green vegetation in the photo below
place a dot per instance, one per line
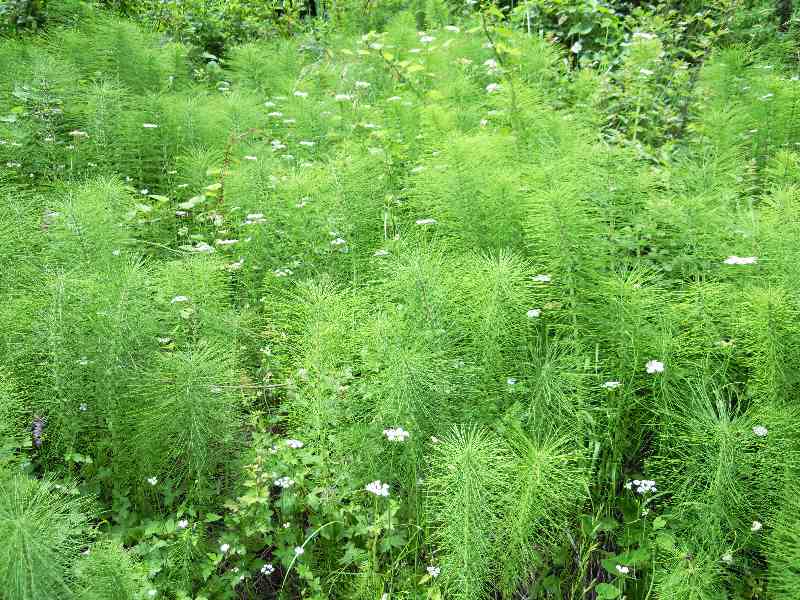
(409, 300)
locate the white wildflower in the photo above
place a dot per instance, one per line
(534, 312)
(226, 242)
(286, 525)
(425, 221)
(224, 548)
(542, 278)
(183, 524)
(756, 526)
(381, 252)
(83, 407)
(362, 84)
(576, 47)
(299, 550)
(644, 486)
(343, 98)
(276, 114)
(760, 431)
(300, 94)
(152, 480)
(307, 143)
(426, 39)
(378, 488)
(250, 157)
(202, 247)
(338, 242)
(623, 569)
(433, 571)
(152, 593)
(654, 366)
(267, 569)
(284, 482)
(294, 444)
(492, 88)
(727, 558)
(511, 381)
(741, 260)
(611, 385)
(149, 125)
(483, 122)
(396, 434)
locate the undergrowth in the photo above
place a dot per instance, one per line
(397, 316)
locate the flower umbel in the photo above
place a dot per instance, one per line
(378, 488)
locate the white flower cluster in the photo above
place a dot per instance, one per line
(294, 444)
(534, 312)
(760, 431)
(396, 434)
(433, 571)
(654, 366)
(611, 385)
(643, 486)
(741, 260)
(284, 482)
(378, 488)
(623, 569)
(267, 569)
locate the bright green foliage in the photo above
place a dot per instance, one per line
(784, 548)
(419, 313)
(466, 503)
(43, 527)
(108, 572)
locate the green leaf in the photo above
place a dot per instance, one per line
(606, 590)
